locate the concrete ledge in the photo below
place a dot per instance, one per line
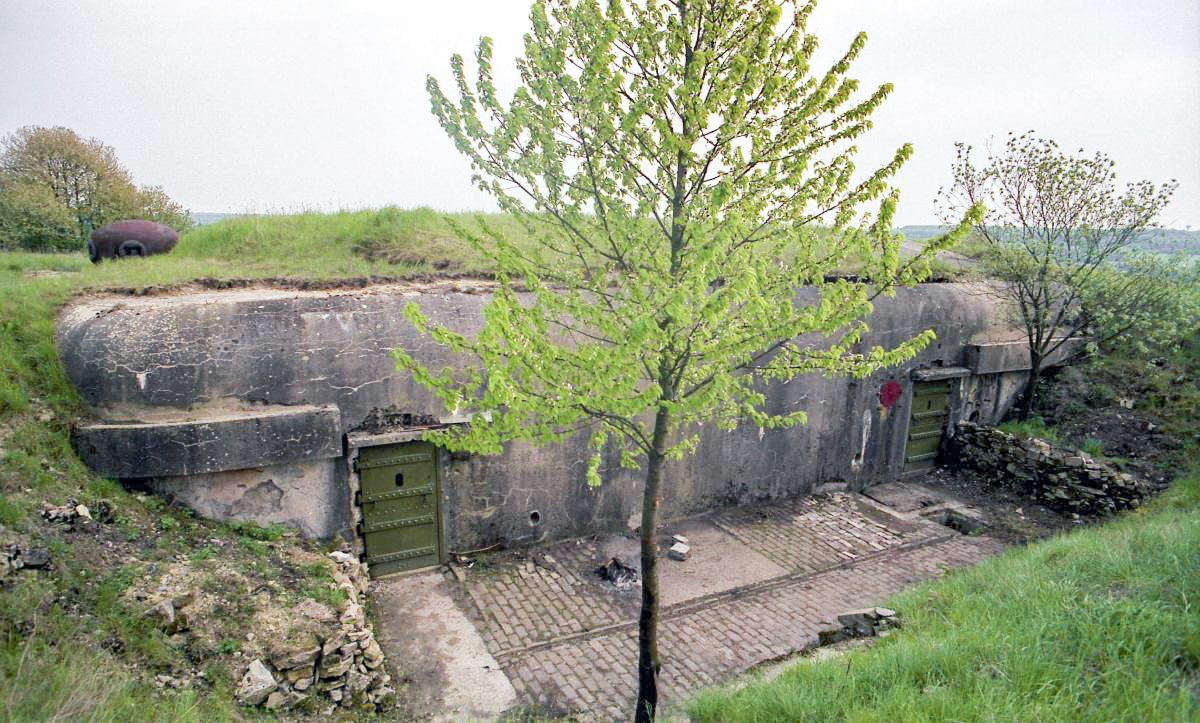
(197, 445)
(996, 357)
(936, 374)
(1013, 356)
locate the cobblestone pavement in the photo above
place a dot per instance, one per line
(805, 534)
(568, 642)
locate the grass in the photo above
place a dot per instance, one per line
(1099, 625)
(382, 242)
(1033, 427)
(1093, 447)
(71, 647)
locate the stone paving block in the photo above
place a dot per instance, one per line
(703, 647)
(564, 639)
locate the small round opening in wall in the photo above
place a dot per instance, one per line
(535, 517)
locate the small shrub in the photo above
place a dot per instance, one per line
(204, 553)
(1093, 446)
(323, 592)
(229, 646)
(1073, 408)
(253, 545)
(1033, 427)
(254, 531)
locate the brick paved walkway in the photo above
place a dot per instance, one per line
(812, 533)
(569, 643)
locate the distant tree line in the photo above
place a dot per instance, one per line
(56, 188)
(1167, 241)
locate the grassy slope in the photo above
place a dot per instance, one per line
(70, 649)
(1099, 625)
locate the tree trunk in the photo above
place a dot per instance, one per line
(1030, 395)
(648, 662)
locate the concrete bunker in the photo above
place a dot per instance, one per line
(283, 405)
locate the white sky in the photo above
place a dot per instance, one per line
(282, 105)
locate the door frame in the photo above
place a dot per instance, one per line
(956, 376)
(355, 442)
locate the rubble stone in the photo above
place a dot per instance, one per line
(289, 659)
(831, 635)
(679, 552)
(256, 684)
(314, 610)
(344, 668)
(859, 622)
(333, 642)
(36, 557)
(333, 666)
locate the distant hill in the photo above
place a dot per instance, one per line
(204, 219)
(1159, 241)
(913, 233)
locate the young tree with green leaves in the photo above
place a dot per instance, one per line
(56, 188)
(1055, 228)
(683, 170)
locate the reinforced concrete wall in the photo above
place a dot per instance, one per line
(238, 402)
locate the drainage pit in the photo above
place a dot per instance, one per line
(958, 522)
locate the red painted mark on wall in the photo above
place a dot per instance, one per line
(889, 394)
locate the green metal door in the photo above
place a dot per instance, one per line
(398, 491)
(930, 410)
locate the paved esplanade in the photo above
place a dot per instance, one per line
(772, 577)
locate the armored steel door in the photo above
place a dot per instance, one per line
(398, 491)
(930, 410)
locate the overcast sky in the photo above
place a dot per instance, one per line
(282, 105)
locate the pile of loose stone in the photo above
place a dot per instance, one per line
(15, 557)
(860, 623)
(1062, 479)
(345, 669)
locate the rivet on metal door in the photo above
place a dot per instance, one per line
(398, 492)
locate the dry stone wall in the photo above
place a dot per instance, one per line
(1062, 479)
(344, 667)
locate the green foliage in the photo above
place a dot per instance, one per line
(673, 214)
(265, 533)
(320, 590)
(153, 203)
(38, 683)
(203, 553)
(671, 163)
(55, 188)
(32, 218)
(1094, 447)
(1097, 625)
(1145, 305)
(1054, 228)
(1032, 427)
(229, 645)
